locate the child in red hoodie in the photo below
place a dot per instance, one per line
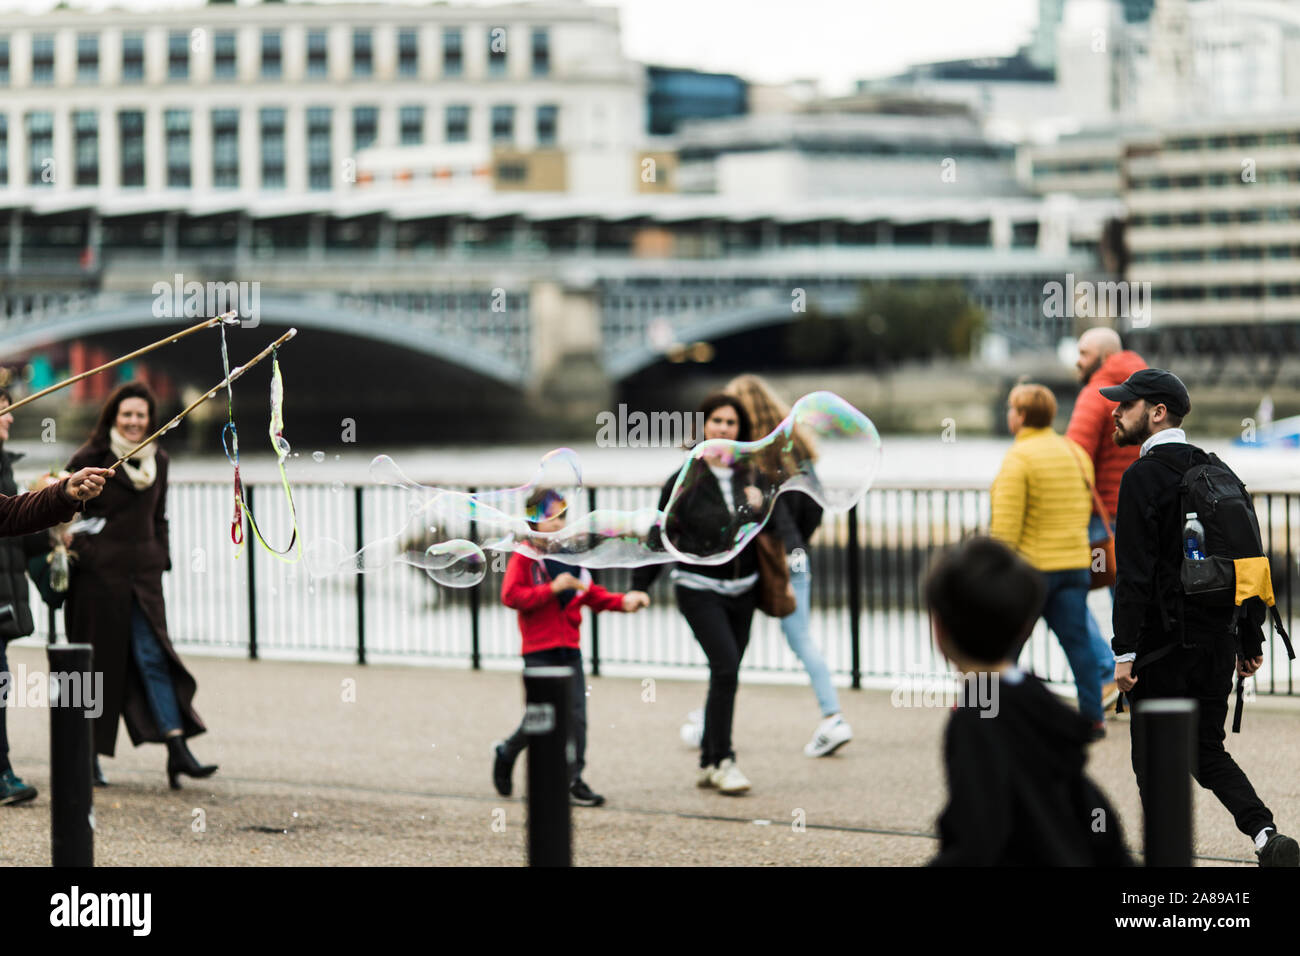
(549, 596)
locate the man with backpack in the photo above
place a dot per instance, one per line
(1171, 641)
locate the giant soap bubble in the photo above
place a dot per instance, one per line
(825, 448)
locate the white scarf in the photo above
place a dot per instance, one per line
(142, 469)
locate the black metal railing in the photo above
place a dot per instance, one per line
(868, 568)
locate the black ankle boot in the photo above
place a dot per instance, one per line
(181, 761)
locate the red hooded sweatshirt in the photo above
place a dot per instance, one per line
(1092, 428)
(544, 621)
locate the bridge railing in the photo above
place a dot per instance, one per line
(867, 610)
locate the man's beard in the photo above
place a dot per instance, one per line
(1135, 437)
(1085, 375)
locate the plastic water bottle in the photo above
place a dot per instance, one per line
(1194, 538)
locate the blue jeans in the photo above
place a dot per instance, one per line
(795, 629)
(1066, 613)
(1095, 532)
(155, 673)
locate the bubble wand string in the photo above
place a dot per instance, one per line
(276, 431)
(211, 393)
(223, 320)
(230, 445)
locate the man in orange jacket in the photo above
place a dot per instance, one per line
(1103, 361)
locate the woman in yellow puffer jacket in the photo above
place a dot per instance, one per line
(1041, 506)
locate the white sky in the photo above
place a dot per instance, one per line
(835, 41)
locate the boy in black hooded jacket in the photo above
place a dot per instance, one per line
(1014, 753)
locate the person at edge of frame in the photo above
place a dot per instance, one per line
(1157, 655)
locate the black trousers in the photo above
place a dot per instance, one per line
(1205, 674)
(721, 625)
(560, 657)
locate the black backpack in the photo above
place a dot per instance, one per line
(1226, 512)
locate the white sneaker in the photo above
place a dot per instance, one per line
(704, 779)
(728, 778)
(693, 729)
(831, 734)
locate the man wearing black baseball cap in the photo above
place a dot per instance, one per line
(1155, 386)
(1162, 647)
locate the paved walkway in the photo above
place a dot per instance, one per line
(401, 775)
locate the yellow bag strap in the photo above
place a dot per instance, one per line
(1254, 580)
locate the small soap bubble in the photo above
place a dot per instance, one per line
(318, 456)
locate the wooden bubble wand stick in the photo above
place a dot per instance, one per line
(224, 318)
(211, 393)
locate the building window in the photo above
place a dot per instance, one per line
(223, 56)
(177, 124)
(457, 124)
(512, 172)
(496, 41)
(318, 147)
(87, 57)
(178, 56)
(130, 142)
(541, 52)
(503, 123)
(317, 54)
(548, 117)
(4, 149)
(408, 53)
(85, 125)
(40, 149)
(42, 59)
(4, 61)
(453, 59)
(132, 57)
(272, 149)
(365, 125)
(271, 54)
(362, 58)
(412, 125)
(225, 149)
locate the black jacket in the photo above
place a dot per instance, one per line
(700, 521)
(13, 567)
(1018, 795)
(1149, 612)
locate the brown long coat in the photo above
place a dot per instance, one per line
(125, 560)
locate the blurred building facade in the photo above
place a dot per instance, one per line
(291, 99)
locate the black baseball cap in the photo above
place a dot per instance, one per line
(1156, 385)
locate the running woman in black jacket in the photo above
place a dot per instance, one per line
(717, 600)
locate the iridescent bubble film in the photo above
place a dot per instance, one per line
(724, 494)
